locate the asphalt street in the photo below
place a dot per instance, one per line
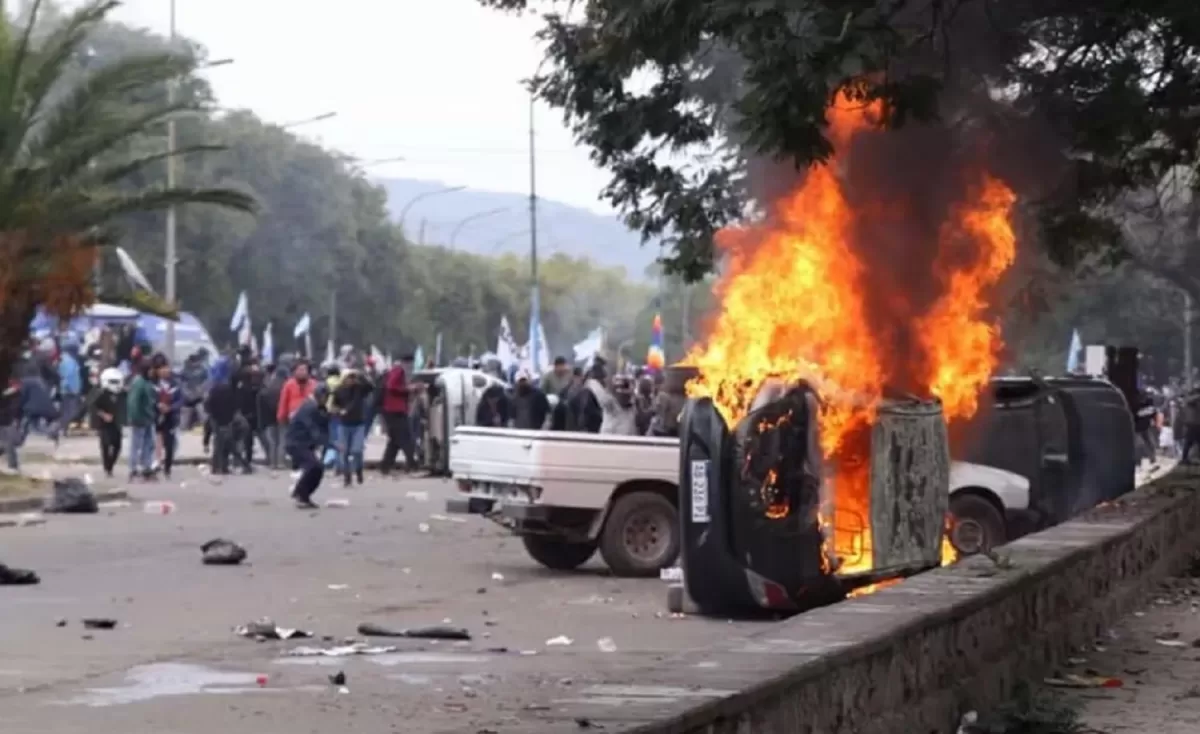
(173, 664)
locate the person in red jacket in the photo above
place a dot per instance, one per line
(394, 408)
(295, 391)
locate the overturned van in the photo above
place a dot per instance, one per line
(756, 502)
(1071, 437)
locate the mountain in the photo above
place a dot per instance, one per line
(435, 218)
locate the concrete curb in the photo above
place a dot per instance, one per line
(915, 656)
(37, 504)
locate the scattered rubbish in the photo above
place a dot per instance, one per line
(966, 724)
(358, 648)
(261, 680)
(560, 641)
(17, 576)
(337, 503)
(418, 496)
(437, 632)
(266, 629)
(87, 479)
(671, 573)
(423, 527)
(28, 519)
(115, 504)
(583, 722)
(606, 644)
(158, 507)
(1084, 681)
(528, 653)
(446, 518)
(99, 623)
(72, 496)
(222, 552)
(338, 587)
(338, 678)
(60, 622)
(343, 690)
(1172, 643)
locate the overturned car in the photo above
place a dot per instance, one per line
(758, 512)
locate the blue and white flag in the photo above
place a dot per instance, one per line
(302, 326)
(507, 351)
(1075, 353)
(537, 338)
(241, 314)
(268, 345)
(437, 351)
(419, 358)
(591, 345)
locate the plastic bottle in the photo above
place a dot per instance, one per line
(158, 507)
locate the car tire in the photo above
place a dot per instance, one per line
(976, 525)
(641, 535)
(558, 554)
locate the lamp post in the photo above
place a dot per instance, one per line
(473, 218)
(422, 196)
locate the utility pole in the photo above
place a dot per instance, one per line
(535, 298)
(1187, 340)
(333, 319)
(171, 214)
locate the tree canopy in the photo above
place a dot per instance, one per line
(681, 100)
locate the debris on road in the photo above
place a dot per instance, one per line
(338, 587)
(436, 632)
(158, 507)
(560, 641)
(671, 573)
(266, 629)
(1172, 643)
(336, 503)
(358, 648)
(496, 576)
(423, 527)
(418, 496)
(338, 679)
(99, 623)
(261, 681)
(60, 622)
(606, 644)
(222, 552)
(1084, 681)
(447, 518)
(17, 576)
(72, 496)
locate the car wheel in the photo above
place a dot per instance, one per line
(976, 525)
(641, 535)
(558, 554)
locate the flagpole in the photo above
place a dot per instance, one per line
(308, 352)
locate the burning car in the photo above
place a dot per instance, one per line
(760, 527)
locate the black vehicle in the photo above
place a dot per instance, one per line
(1071, 437)
(752, 502)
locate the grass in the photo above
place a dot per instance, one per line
(17, 487)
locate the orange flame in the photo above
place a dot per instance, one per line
(798, 298)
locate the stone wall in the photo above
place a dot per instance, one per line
(913, 657)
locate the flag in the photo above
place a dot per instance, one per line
(537, 337)
(437, 350)
(268, 345)
(132, 272)
(241, 314)
(419, 358)
(330, 354)
(1075, 352)
(591, 345)
(655, 359)
(302, 326)
(506, 345)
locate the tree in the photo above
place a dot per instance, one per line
(65, 150)
(1106, 93)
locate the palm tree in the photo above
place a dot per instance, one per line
(67, 154)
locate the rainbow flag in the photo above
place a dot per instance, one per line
(655, 359)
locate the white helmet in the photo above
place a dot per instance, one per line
(112, 380)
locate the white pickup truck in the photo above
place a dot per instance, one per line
(570, 494)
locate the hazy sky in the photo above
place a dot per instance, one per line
(434, 81)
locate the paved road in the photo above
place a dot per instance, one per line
(174, 664)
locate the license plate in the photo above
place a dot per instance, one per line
(700, 491)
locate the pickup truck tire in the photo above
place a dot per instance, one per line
(558, 554)
(641, 535)
(977, 525)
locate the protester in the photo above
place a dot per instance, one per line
(493, 408)
(563, 418)
(306, 438)
(249, 387)
(349, 406)
(108, 417)
(169, 401)
(1191, 426)
(588, 413)
(38, 412)
(396, 395)
(620, 410)
(268, 411)
(530, 407)
(142, 411)
(221, 406)
(10, 422)
(70, 388)
(295, 391)
(558, 379)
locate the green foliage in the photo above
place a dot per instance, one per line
(68, 162)
(726, 82)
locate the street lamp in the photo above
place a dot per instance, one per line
(474, 217)
(425, 195)
(307, 120)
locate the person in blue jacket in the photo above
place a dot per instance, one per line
(307, 437)
(70, 387)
